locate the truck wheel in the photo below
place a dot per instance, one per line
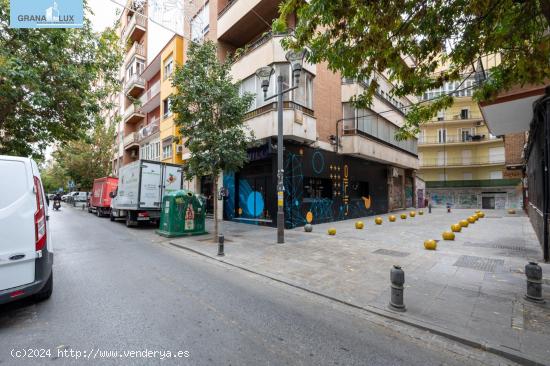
(98, 212)
(46, 291)
(111, 217)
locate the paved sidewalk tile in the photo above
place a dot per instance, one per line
(472, 286)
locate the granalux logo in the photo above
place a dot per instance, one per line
(46, 13)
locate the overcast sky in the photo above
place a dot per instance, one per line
(104, 12)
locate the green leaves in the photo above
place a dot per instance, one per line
(53, 83)
(411, 40)
(209, 113)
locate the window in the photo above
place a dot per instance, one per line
(464, 113)
(317, 188)
(150, 151)
(442, 135)
(467, 176)
(441, 115)
(496, 174)
(304, 94)
(166, 108)
(200, 24)
(466, 133)
(167, 148)
(135, 67)
(168, 67)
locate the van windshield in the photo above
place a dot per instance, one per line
(13, 181)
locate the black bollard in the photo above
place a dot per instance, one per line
(533, 272)
(430, 208)
(397, 278)
(221, 239)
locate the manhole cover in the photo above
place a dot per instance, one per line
(478, 263)
(393, 253)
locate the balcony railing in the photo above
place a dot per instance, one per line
(131, 110)
(150, 93)
(455, 139)
(270, 107)
(130, 139)
(137, 49)
(460, 161)
(137, 20)
(263, 39)
(458, 117)
(226, 7)
(380, 129)
(134, 81)
(150, 129)
(473, 183)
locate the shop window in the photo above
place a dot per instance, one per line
(317, 188)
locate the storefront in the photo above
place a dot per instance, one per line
(320, 186)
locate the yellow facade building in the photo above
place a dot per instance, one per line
(172, 55)
(462, 163)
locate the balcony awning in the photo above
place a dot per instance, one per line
(512, 111)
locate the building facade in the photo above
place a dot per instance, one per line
(339, 162)
(462, 163)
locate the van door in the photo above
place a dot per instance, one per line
(150, 185)
(18, 204)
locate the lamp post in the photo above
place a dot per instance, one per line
(264, 74)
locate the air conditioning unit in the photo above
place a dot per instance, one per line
(179, 149)
(479, 123)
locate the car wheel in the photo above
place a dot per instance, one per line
(46, 291)
(128, 220)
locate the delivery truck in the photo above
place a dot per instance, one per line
(141, 185)
(100, 199)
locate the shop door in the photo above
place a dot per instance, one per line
(488, 202)
(254, 198)
(207, 188)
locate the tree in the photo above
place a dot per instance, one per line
(359, 38)
(209, 113)
(52, 83)
(84, 161)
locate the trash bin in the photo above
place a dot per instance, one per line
(182, 213)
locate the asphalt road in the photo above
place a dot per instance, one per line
(120, 289)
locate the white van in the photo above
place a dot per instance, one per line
(26, 253)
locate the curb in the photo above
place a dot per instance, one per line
(507, 353)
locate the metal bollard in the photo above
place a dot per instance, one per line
(430, 208)
(533, 272)
(221, 239)
(397, 278)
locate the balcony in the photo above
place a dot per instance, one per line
(133, 114)
(239, 21)
(263, 51)
(151, 98)
(134, 85)
(152, 128)
(373, 137)
(131, 140)
(136, 28)
(456, 139)
(472, 117)
(460, 162)
(473, 183)
(137, 50)
(299, 122)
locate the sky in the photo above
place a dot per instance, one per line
(104, 13)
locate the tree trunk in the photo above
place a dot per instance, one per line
(545, 6)
(215, 203)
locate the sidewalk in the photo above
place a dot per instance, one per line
(470, 289)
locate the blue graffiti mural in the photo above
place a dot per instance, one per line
(255, 204)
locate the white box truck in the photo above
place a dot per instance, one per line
(141, 185)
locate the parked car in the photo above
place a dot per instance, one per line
(26, 252)
(80, 196)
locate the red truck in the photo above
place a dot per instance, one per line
(100, 200)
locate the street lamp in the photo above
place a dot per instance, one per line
(296, 59)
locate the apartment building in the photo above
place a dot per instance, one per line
(462, 163)
(339, 162)
(146, 85)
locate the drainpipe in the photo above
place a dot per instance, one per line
(546, 174)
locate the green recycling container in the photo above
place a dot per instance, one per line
(182, 213)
